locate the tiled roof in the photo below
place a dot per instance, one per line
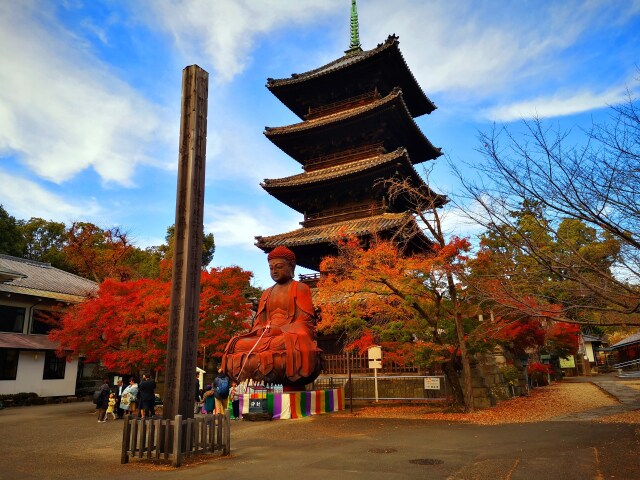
(329, 233)
(335, 117)
(26, 342)
(43, 280)
(346, 61)
(627, 341)
(340, 171)
(337, 64)
(412, 138)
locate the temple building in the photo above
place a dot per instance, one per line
(357, 129)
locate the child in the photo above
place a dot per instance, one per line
(208, 399)
(111, 407)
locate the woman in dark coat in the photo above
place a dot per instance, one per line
(103, 400)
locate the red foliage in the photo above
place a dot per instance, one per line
(125, 325)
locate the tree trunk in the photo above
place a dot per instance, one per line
(451, 376)
(462, 345)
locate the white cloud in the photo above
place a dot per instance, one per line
(477, 51)
(227, 30)
(61, 110)
(233, 225)
(556, 106)
(26, 199)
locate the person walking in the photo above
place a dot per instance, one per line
(103, 400)
(147, 396)
(111, 407)
(221, 391)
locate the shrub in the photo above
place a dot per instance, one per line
(539, 373)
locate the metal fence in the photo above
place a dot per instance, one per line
(342, 364)
(424, 388)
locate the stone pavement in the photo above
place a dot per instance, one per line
(615, 387)
(66, 442)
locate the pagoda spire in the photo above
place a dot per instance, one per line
(354, 45)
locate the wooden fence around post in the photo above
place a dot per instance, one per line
(161, 439)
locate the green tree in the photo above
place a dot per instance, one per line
(11, 240)
(208, 246)
(44, 241)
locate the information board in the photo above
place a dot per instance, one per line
(432, 383)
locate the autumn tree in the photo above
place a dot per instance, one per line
(510, 278)
(379, 295)
(427, 207)
(225, 307)
(125, 325)
(591, 190)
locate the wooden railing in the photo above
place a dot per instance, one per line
(344, 156)
(337, 365)
(348, 213)
(340, 105)
(162, 439)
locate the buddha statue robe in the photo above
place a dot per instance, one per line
(281, 346)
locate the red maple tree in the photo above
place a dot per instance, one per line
(125, 325)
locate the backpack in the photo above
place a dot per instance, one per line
(222, 386)
(96, 396)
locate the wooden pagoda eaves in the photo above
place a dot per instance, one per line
(333, 133)
(312, 244)
(304, 192)
(382, 68)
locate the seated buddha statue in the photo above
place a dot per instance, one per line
(281, 346)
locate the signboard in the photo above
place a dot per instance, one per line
(432, 383)
(569, 362)
(257, 405)
(375, 357)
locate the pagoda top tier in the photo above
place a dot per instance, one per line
(358, 72)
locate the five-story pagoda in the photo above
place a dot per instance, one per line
(357, 130)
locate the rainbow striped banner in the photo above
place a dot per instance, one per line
(283, 406)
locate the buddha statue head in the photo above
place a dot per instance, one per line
(282, 263)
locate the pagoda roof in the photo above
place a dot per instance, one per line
(310, 244)
(301, 191)
(384, 63)
(304, 140)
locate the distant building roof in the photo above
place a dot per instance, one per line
(28, 277)
(591, 338)
(26, 342)
(627, 341)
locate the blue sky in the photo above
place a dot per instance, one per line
(90, 97)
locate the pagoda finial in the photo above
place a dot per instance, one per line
(354, 45)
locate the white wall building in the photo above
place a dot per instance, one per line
(30, 292)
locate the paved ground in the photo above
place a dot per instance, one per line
(66, 442)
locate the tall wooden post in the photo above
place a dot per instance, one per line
(182, 344)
